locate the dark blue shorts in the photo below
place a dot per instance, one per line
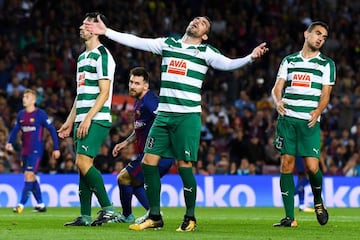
(300, 165)
(134, 167)
(31, 162)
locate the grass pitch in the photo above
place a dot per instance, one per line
(213, 223)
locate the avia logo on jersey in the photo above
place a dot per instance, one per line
(81, 80)
(28, 128)
(177, 67)
(301, 80)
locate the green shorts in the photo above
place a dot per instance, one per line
(175, 135)
(91, 144)
(294, 137)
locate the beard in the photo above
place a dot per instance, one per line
(134, 94)
(190, 32)
(313, 48)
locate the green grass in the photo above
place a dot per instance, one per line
(213, 223)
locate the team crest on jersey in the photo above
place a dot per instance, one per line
(32, 120)
(301, 80)
(138, 113)
(177, 66)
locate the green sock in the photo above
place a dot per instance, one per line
(85, 195)
(189, 183)
(287, 187)
(316, 185)
(96, 183)
(152, 187)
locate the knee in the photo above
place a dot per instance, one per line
(312, 165)
(124, 178)
(29, 176)
(287, 166)
(313, 168)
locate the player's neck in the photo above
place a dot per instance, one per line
(92, 44)
(30, 109)
(191, 40)
(307, 52)
(142, 95)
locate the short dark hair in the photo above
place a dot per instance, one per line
(140, 71)
(93, 15)
(317, 23)
(209, 30)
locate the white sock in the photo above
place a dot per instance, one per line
(40, 205)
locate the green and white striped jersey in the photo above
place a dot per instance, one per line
(91, 67)
(184, 67)
(304, 81)
(183, 72)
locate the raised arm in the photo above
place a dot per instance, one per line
(146, 44)
(221, 62)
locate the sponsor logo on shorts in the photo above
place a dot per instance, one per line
(85, 148)
(316, 150)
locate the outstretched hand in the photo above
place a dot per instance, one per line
(259, 51)
(98, 28)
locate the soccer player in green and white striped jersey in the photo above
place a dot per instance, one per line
(90, 117)
(175, 132)
(301, 93)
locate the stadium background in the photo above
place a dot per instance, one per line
(39, 45)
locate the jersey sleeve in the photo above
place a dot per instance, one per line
(46, 122)
(154, 45)
(220, 62)
(15, 130)
(152, 103)
(282, 72)
(329, 73)
(105, 66)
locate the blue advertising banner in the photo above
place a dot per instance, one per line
(212, 191)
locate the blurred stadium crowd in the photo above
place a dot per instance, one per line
(39, 45)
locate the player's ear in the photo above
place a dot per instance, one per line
(306, 33)
(204, 37)
(146, 85)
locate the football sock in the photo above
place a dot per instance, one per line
(189, 187)
(140, 194)
(316, 185)
(96, 183)
(37, 192)
(287, 187)
(26, 192)
(85, 195)
(153, 186)
(300, 189)
(126, 192)
(301, 194)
